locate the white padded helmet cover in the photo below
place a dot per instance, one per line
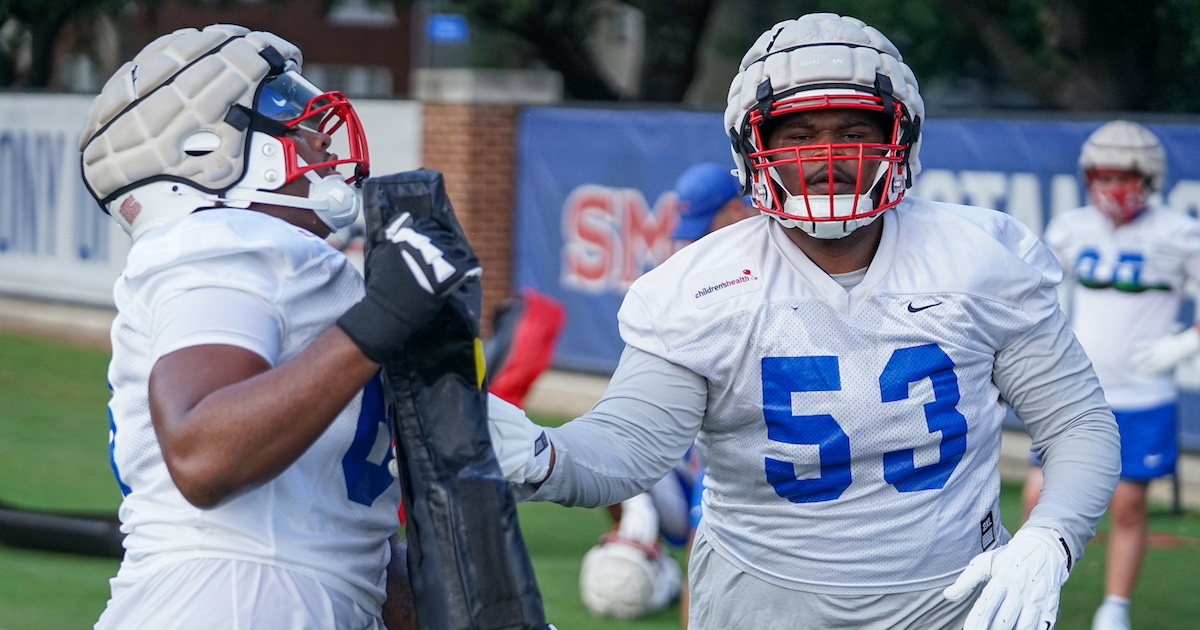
(624, 579)
(181, 84)
(814, 50)
(1126, 146)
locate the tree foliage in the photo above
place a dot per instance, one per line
(1074, 55)
(1058, 54)
(35, 26)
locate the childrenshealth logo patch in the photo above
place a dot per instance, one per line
(721, 283)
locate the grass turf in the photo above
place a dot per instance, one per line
(53, 445)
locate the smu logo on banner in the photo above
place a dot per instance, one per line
(594, 211)
(611, 236)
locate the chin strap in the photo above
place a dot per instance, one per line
(334, 201)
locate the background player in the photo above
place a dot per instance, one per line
(845, 361)
(1128, 259)
(707, 197)
(248, 436)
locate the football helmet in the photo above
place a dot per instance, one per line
(210, 118)
(625, 579)
(824, 61)
(1116, 147)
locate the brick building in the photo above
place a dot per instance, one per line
(364, 50)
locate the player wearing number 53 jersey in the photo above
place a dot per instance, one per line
(846, 362)
(852, 436)
(248, 434)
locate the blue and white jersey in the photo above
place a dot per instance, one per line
(1126, 287)
(850, 437)
(330, 513)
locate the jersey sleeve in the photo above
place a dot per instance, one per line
(1191, 248)
(637, 432)
(215, 315)
(219, 277)
(232, 249)
(1044, 269)
(637, 324)
(1049, 382)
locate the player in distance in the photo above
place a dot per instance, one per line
(847, 374)
(1128, 260)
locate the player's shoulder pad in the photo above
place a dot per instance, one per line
(989, 252)
(236, 248)
(703, 283)
(1172, 220)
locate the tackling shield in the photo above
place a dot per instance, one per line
(466, 556)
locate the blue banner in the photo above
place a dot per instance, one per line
(594, 211)
(1029, 168)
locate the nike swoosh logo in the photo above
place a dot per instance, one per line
(918, 309)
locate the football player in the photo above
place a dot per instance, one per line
(247, 427)
(1128, 259)
(846, 359)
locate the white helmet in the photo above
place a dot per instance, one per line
(1122, 147)
(1126, 146)
(624, 579)
(201, 119)
(824, 61)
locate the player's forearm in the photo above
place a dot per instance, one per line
(1080, 469)
(246, 433)
(638, 431)
(1051, 385)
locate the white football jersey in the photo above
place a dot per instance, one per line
(1126, 287)
(851, 438)
(330, 513)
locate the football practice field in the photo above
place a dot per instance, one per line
(54, 456)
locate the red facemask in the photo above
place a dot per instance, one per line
(1120, 194)
(293, 100)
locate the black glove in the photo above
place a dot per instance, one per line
(412, 266)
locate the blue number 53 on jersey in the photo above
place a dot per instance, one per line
(783, 376)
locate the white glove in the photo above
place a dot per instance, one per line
(639, 520)
(522, 447)
(1162, 354)
(1023, 582)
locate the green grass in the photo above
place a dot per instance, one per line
(53, 445)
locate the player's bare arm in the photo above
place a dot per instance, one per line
(227, 421)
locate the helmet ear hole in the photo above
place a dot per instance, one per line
(201, 143)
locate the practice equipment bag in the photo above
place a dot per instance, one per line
(466, 557)
(525, 329)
